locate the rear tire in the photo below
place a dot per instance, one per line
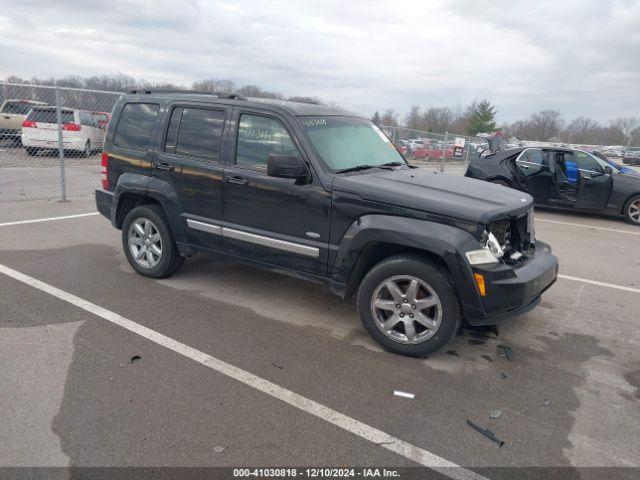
(141, 246)
(632, 210)
(432, 305)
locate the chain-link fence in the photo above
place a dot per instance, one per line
(50, 140)
(449, 152)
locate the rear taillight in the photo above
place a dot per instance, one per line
(103, 172)
(29, 124)
(71, 127)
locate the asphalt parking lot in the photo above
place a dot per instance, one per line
(23, 177)
(243, 367)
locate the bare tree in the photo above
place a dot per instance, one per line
(214, 86)
(413, 120)
(313, 100)
(583, 130)
(623, 129)
(545, 125)
(389, 118)
(437, 120)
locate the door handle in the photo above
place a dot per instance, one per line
(163, 166)
(236, 180)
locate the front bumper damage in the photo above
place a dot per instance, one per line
(515, 289)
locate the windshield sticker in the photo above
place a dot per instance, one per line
(315, 122)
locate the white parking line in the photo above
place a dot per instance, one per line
(600, 284)
(356, 427)
(49, 219)
(616, 230)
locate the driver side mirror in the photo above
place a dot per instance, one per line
(608, 170)
(287, 166)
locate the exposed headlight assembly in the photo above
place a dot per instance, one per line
(494, 246)
(481, 257)
(491, 253)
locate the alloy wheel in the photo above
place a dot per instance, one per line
(406, 309)
(145, 243)
(634, 211)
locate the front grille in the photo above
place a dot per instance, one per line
(501, 229)
(515, 234)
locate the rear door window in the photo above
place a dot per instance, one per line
(531, 161)
(195, 132)
(48, 115)
(585, 162)
(87, 119)
(135, 126)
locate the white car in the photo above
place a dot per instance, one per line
(81, 133)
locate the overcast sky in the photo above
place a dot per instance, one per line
(581, 57)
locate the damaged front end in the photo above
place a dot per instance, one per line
(508, 239)
(512, 269)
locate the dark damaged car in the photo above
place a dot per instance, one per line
(321, 194)
(563, 178)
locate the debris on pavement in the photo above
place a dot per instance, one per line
(278, 366)
(547, 402)
(493, 329)
(483, 331)
(495, 413)
(507, 351)
(487, 358)
(453, 352)
(486, 432)
(504, 375)
(219, 449)
(135, 358)
(398, 393)
(476, 341)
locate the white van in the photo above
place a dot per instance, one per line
(81, 133)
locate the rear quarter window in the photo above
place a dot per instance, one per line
(135, 126)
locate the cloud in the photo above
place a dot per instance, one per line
(580, 57)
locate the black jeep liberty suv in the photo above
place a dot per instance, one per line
(323, 194)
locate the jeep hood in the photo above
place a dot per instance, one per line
(438, 193)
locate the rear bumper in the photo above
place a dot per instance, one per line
(514, 291)
(68, 144)
(104, 200)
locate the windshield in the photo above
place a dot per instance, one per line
(346, 142)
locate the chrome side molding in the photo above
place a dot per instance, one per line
(254, 238)
(204, 227)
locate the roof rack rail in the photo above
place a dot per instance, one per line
(146, 91)
(149, 91)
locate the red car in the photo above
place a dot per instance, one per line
(432, 150)
(401, 146)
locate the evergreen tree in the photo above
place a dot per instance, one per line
(482, 118)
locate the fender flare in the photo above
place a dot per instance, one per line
(156, 189)
(446, 242)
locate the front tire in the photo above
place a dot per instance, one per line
(148, 242)
(409, 305)
(632, 210)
